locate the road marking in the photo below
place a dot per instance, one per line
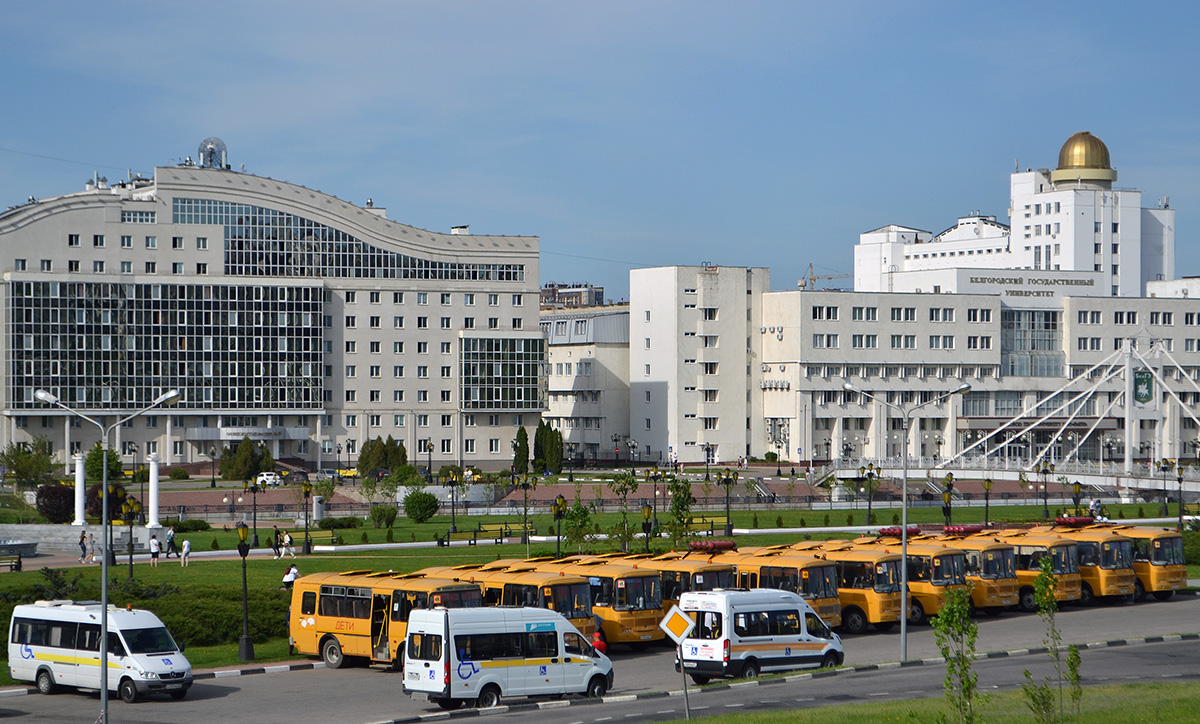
(879, 693)
(603, 718)
(733, 706)
(665, 711)
(806, 698)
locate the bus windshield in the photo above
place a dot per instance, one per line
(1167, 552)
(638, 593)
(1115, 555)
(1065, 559)
(573, 600)
(997, 564)
(149, 640)
(780, 578)
(949, 569)
(887, 577)
(712, 580)
(820, 582)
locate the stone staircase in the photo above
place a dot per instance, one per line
(65, 538)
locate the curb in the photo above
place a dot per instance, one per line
(561, 703)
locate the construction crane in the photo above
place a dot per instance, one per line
(810, 281)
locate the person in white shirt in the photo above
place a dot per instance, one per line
(155, 547)
(290, 576)
(186, 553)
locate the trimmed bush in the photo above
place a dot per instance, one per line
(364, 538)
(194, 525)
(779, 521)
(178, 474)
(347, 522)
(420, 506)
(383, 516)
(56, 502)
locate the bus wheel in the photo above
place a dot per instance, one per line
(128, 691)
(750, 669)
(45, 682)
(700, 680)
(1164, 595)
(1027, 600)
(854, 621)
(331, 654)
(916, 612)
(1086, 597)
(489, 697)
(597, 687)
(1139, 591)
(830, 661)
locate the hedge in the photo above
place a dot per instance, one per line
(347, 522)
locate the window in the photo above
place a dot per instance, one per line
(422, 322)
(398, 322)
(374, 322)
(445, 348)
(98, 266)
(374, 370)
(98, 240)
(176, 242)
(516, 323)
(397, 348)
(351, 346)
(422, 348)
(469, 300)
(445, 371)
(445, 323)
(904, 314)
(177, 267)
(516, 300)
(201, 268)
(126, 267)
(351, 370)
(422, 371)
(422, 299)
(493, 323)
(374, 297)
(422, 395)
(19, 264)
(72, 239)
(468, 323)
(151, 267)
(445, 299)
(151, 242)
(397, 297)
(397, 370)
(201, 242)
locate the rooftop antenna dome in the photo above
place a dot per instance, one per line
(212, 153)
(1084, 157)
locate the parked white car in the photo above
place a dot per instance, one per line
(268, 480)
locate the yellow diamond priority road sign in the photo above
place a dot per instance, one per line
(677, 624)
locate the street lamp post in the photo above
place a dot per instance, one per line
(252, 488)
(526, 483)
(727, 481)
(906, 414)
(133, 448)
(337, 474)
(167, 397)
(306, 488)
(987, 499)
(870, 475)
(647, 526)
(1165, 466)
(559, 509)
(1076, 491)
(130, 508)
(947, 498)
(212, 470)
(245, 643)
(708, 448)
(633, 446)
(1045, 469)
(653, 476)
(1179, 471)
(428, 444)
(454, 478)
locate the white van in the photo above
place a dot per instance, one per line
(461, 655)
(740, 632)
(57, 643)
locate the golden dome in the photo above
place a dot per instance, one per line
(1084, 159)
(1083, 150)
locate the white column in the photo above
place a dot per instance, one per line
(80, 491)
(152, 513)
(66, 439)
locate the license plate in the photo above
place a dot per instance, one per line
(646, 637)
(173, 686)
(413, 675)
(689, 664)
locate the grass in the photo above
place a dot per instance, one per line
(1156, 702)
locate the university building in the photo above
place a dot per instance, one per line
(282, 313)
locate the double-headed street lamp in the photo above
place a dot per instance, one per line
(1179, 471)
(870, 476)
(130, 510)
(906, 414)
(212, 471)
(168, 397)
(455, 478)
(1165, 466)
(1045, 469)
(652, 477)
(633, 446)
(337, 474)
(252, 488)
(708, 451)
(559, 509)
(987, 499)
(306, 488)
(427, 448)
(948, 498)
(647, 526)
(245, 643)
(727, 481)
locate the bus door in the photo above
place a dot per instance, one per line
(543, 670)
(381, 605)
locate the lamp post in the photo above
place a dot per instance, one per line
(906, 414)
(571, 462)
(652, 477)
(987, 499)
(428, 450)
(212, 471)
(527, 482)
(454, 479)
(130, 509)
(559, 509)
(133, 448)
(167, 397)
(306, 488)
(337, 473)
(1179, 472)
(947, 497)
(616, 440)
(252, 488)
(1076, 490)
(1044, 469)
(1165, 466)
(870, 475)
(633, 446)
(727, 481)
(647, 526)
(245, 643)
(708, 450)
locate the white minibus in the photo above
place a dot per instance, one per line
(57, 643)
(460, 655)
(745, 631)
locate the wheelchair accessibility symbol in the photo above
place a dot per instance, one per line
(466, 669)
(787, 651)
(26, 652)
(541, 671)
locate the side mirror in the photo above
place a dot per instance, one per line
(182, 646)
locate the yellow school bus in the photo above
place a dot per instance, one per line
(364, 615)
(1029, 548)
(1157, 561)
(991, 569)
(681, 574)
(1105, 560)
(520, 585)
(816, 578)
(933, 569)
(868, 583)
(626, 602)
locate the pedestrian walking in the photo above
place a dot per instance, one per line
(155, 547)
(277, 542)
(82, 546)
(171, 542)
(186, 554)
(91, 549)
(288, 545)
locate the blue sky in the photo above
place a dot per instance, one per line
(624, 134)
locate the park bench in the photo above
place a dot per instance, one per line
(12, 561)
(708, 524)
(521, 530)
(494, 531)
(471, 536)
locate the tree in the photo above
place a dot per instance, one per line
(539, 441)
(578, 522)
(956, 633)
(116, 496)
(420, 505)
(396, 455)
(372, 456)
(1040, 694)
(56, 502)
(368, 488)
(30, 463)
(93, 466)
(679, 518)
(622, 484)
(554, 452)
(521, 454)
(242, 463)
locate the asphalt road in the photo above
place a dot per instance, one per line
(372, 694)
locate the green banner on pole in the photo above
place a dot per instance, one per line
(1143, 387)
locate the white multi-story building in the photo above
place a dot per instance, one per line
(284, 314)
(588, 374)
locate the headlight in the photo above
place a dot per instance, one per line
(149, 675)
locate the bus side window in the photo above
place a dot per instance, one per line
(573, 644)
(115, 647)
(308, 603)
(89, 637)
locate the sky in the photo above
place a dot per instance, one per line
(623, 134)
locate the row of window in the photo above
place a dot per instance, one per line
(151, 242)
(446, 298)
(98, 266)
(961, 252)
(376, 322)
(900, 341)
(560, 327)
(898, 314)
(902, 371)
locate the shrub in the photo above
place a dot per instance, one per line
(1141, 512)
(178, 474)
(803, 523)
(364, 538)
(215, 545)
(1121, 513)
(56, 502)
(391, 538)
(895, 519)
(1191, 547)
(347, 522)
(755, 522)
(827, 520)
(194, 525)
(849, 518)
(779, 521)
(420, 506)
(383, 516)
